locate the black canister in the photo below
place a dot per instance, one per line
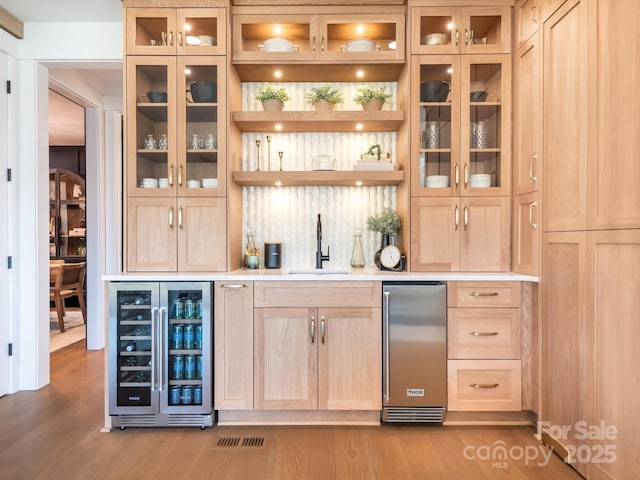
(272, 255)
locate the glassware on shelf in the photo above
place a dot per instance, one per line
(210, 143)
(357, 255)
(149, 142)
(163, 143)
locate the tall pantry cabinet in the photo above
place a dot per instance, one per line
(175, 173)
(591, 233)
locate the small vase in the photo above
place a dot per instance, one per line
(323, 106)
(253, 262)
(372, 105)
(384, 241)
(272, 105)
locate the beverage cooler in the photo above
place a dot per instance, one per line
(160, 354)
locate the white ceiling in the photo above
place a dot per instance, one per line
(65, 10)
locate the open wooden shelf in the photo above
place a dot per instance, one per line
(312, 121)
(252, 71)
(344, 178)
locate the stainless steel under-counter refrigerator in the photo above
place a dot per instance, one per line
(414, 352)
(160, 354)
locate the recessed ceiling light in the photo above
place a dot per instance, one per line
(187, 71)
(450, 70)
(359, 126)
(277, 74)
(360, 74)
(277, 29)
(278, 126)
(358, 183)
(450, 26)
(360, 29)
(187, 27)
(278, 183)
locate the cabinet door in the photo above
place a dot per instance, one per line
(527, 117)
(349, 359)
(526, 234)
(614, 329)
(201, 113)
(485, 243)
(202, 31)
(564, 344)
(565, 118)
(527, 15)
(435, 236)
(202, 234)
(435, 30)
(486, 124)
(148, 118)
(233, 333)
(151, 31)
(286, 358)
(151, 234)
(486, 30)
(435, 126)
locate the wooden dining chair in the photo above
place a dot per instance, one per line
(67, 280)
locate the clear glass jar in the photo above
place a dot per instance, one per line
(357, 255)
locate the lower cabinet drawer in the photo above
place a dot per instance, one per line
(483, 333)
(484, 385)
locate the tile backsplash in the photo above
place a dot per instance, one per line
(289, 214)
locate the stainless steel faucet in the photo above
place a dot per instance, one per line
(320, 257)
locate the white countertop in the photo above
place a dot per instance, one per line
(369, 274)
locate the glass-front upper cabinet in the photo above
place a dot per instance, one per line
(173, 108)
(171, 31)
(460, 132)
(67, 215)
(445, 30)
(336, 38)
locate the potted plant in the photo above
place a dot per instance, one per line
(324, 98)
(387, 223)
(272, 98)
(372, 97)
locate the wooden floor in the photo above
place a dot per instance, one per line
(54, 433)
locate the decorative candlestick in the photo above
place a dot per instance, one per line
(269, 152)
(258, 149)
(280, 154)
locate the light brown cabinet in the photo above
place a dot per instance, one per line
(446, 30)
(165, 234)
(526, 234)
(311, 357)
(171, 31)
(460, 234)
(527, 19)
(233, 334)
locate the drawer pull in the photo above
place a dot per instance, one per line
(484, 385)
(483, 294)
(233, 285)
(483, 334)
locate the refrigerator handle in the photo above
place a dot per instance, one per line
(154, 318)
(386, 346)
(161, 336)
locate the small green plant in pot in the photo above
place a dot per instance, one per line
(387, 223)
(272, 98)
(372, 97)
(324, 97)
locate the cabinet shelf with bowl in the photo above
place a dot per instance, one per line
(344, 178)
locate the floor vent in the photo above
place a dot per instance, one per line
(228, 441)
(253, 442)
(413, 415)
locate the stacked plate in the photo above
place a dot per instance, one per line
(480, 180)
(209, 183)
(149, 183)
(361, 45)
(193, 183)
(436, 181)
(277, 44)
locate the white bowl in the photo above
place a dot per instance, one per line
(435, 39)
(360, 45)
(436, 181)
(209, 183)
(193, 183)
(480, 180)
(163, 182)
(150, 183)
(277, 44)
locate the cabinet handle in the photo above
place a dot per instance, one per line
(180, 176)
(466, 37)
(161, 322)
(457, 217)
(180, 39)
(483, 294)
(531, 205)
(322, 329)
(531, 175)
(457, 37)
(456, 175)
(313, 44)
(154, 352)
(386, 346)
(233, 285)
(171, 39)
(312, 330)
(322, 45)
(180, 218)
(466, 217)
(483, 334)
(171, 175)
(466, 175)
(484, 385)
(534, 8)
(171, 217)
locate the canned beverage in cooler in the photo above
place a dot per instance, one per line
(199, 367)
(197, 394)
(189, 337)
(189, 367)
(189, 308)
(177, 337)
(199, 309)
(198, 341)
(178, 367)
(186, 397)
(174, 399)
(178, 306)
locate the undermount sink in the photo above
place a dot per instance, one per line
(325, 271)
